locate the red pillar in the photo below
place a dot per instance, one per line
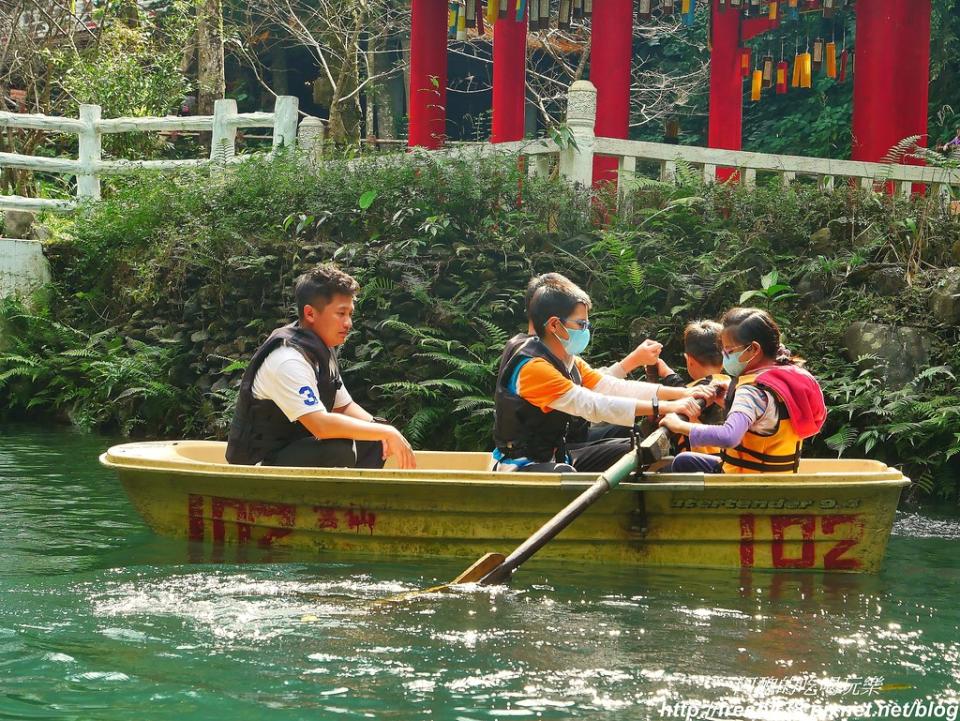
(725, 129)
(427, 104)
(611, 57)
(892, 75)
(509, 78)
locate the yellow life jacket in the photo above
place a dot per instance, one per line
(683, 443)
(778, 452)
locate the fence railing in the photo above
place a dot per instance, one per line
(635, 158)
(571, 160)
(90, 166)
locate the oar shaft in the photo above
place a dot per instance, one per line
(610, 478)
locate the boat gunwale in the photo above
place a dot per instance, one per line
(437, 477)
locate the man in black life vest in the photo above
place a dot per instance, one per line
(293, 409)
(543, 385)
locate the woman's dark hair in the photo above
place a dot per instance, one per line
(701, 341)
(559, 297)
(748, 325)
(318, 285)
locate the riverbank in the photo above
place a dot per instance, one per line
(161, 293)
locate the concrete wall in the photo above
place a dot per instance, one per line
(22, 267)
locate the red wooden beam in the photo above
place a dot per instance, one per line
(427, 104)
(509, 78)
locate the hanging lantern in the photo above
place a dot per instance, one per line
(773, 10)
(481, 29)
(504, 7)
(470, 11)
(768, 72)
(736, 3)
(831, 60)
(756, 85)
(667, 7)
(782, 70)
(452, 12)
(493, 7)
(461, 22)
(818, 54)
(533, 21)
(577, 9)
(563, 22)
(794, 6)
(745, 62)
(544, 14)
(688, 15)
(806, 71)
(844, 58)
(521, 10)
(645, 9)
(588, 8)
(828, 7)
(797, 71)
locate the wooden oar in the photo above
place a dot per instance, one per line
(607, 480)
(494, 568)
(651, 449)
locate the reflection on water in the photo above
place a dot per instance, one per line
(101, 619)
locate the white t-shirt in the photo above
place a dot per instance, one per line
(288, 379)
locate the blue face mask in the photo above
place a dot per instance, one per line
(577, 342)
(732, 364)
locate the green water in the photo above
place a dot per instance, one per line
(99, 619)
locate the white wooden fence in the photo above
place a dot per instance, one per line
(573, 160)
(576, 159)
(89, 167)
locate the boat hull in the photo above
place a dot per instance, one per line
(833, 516)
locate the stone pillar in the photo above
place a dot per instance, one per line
(576, 164)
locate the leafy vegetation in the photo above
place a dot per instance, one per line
(164, 290)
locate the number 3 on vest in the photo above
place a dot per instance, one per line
(309, 397)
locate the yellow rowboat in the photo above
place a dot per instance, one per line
(834, 515)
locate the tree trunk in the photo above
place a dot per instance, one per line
(345, 112)
(210, 56)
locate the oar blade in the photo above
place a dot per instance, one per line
(483, 566)
(480, 568)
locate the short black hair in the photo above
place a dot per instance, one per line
(318, 285)
(560, 297)
(701, 341)
(536, 283)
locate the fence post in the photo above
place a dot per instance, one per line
(310, 138)
(576, 164)
(285, 117)
(88, 182)
(223, 141)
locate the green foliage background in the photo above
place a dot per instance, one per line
(813, 122)
(163, 291)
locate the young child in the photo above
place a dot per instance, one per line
(543, 386)
(775, 404)
(701, 352)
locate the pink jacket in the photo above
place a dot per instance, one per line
(802, 395)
